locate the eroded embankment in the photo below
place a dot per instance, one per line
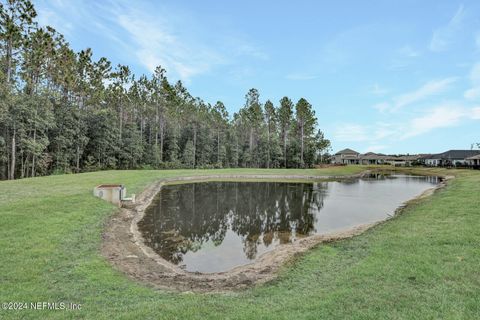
(123, 245)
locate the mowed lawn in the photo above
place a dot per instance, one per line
(424, 264)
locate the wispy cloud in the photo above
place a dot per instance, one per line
(251, 50)
(154, 44)
(474, 91)
(378, 90)
(443, 116)
(448, 114)
(382, 107)
(475, 115)
(350, 132)
(48, 17)
(300, 76)
(347, 46)
(376, 148)
(408, 51)
(155, 34)
(427, 90)
(445, 35)
(477, 40)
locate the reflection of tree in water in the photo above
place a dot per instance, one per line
(185, 216)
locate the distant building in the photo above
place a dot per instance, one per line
(455, 158)
(346, 156)
(349, 156)
(372, 158)
(474, 161)
(451, 158)
(403, 161)
(422, 158)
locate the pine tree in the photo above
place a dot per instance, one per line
(285, 113)
(305, 125)
(189, 154)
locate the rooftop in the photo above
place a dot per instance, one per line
(347, 151)
(456, 154)
(477, 157)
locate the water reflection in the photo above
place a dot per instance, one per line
(214, 226)
(186, 216)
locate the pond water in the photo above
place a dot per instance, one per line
(215, 226)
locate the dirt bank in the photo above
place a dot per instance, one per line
(124, 247)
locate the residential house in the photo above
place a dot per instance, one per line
(422, 158)
(372, 158)
(403, 161)
(451, 158)
(474, 161)
(346, 156)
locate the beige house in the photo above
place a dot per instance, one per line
(346, 156)
(474, 161)
(372, 158)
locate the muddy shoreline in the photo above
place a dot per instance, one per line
(124, 247)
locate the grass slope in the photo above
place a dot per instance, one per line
(425, 264)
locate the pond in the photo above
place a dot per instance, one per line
(214, 226)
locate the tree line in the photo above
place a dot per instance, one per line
(62, 111)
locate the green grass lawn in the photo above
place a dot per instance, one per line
(424, 264)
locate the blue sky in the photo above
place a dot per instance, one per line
(383, 76)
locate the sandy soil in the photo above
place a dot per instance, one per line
(124, 246)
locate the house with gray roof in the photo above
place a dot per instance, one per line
(474, 161)
(372, 158)
(451, 158)
(346, 156)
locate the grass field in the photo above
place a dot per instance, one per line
(424, 264)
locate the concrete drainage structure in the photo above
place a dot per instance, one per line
(113, 193)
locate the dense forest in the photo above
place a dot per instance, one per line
(63, 112)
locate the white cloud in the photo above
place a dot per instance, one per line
(403, 58)
(374, 133)
(448, 114)
(155, 44)
(377, 90)
(248, 49)
(351, 132)
(443, 116)
(375, 148)
(477, 40)
(475, 113)
(300, 76)
(152, 34)
(409, 52)
(382, 107)
(444, 36)
(384, 130)
(474, 92)
(475, 73)
(429, 89)
(440, 117)
(49, 17)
